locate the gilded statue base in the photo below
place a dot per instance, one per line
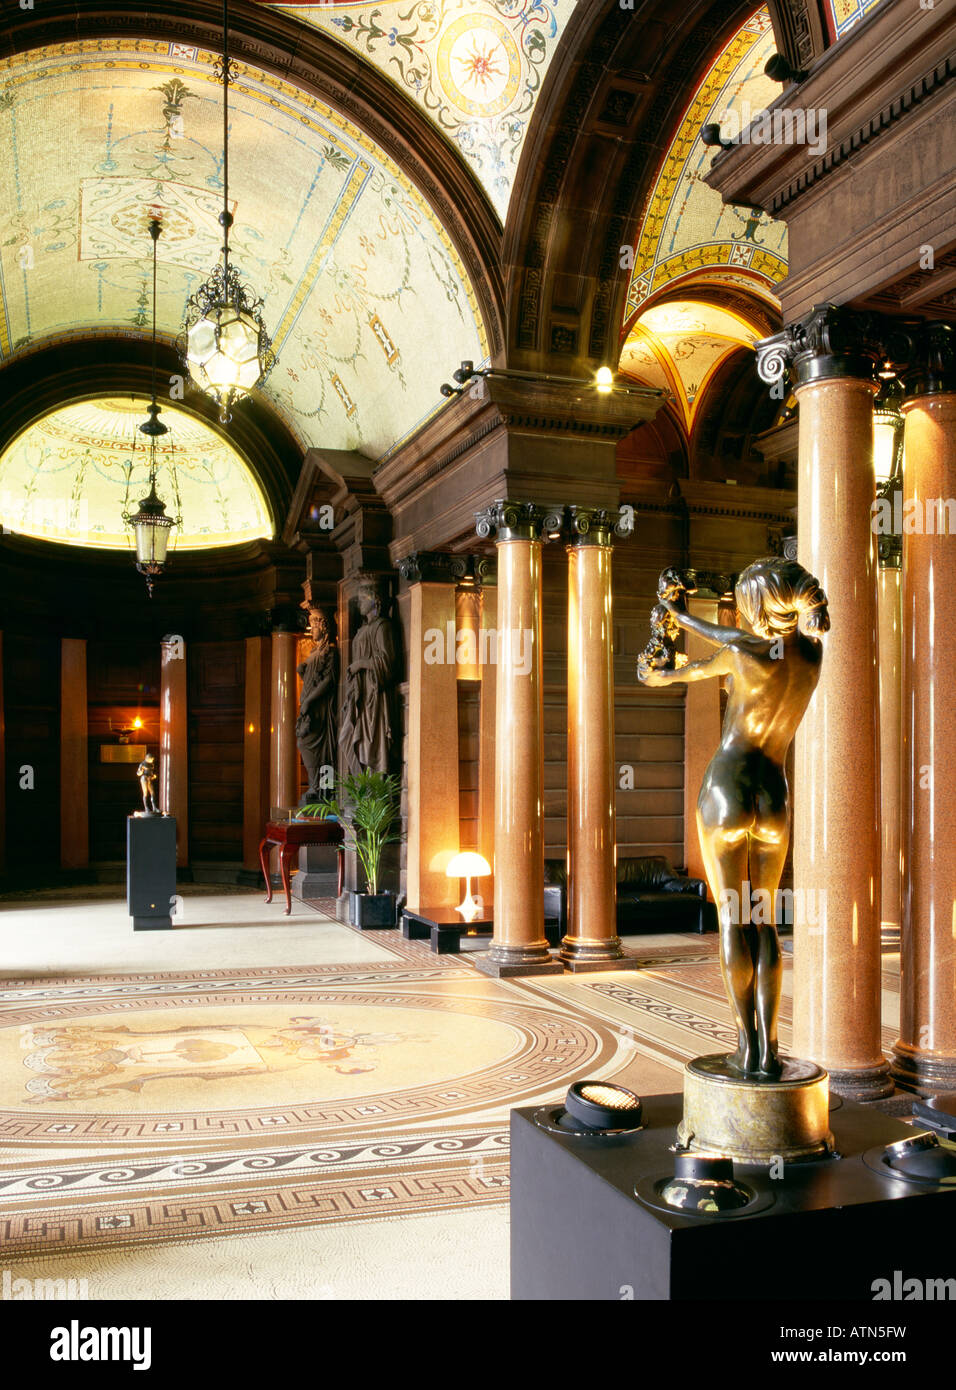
(755, 1121)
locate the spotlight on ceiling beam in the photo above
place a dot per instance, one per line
(780, 69)
(710, 134)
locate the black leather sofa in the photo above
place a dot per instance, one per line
(651, 897)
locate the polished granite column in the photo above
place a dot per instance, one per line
(283, 754)
(432, 836)
(519, 945)
(891, 654)
(592, 941)
(925, 1053)
(173, 733)
(836, 823)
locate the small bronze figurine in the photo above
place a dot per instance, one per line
(743, 811)
(146, 772)
(660, 653)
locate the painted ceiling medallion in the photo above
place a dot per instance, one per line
(479, 65)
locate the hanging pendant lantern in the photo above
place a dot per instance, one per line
(224, 343)
(151, 526)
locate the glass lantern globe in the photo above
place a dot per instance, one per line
(225, 345)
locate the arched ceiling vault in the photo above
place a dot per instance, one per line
(613, 99)
(368, 293)
(36, 382)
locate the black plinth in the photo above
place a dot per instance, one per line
(150, 871)
(831, 1228)
(444, 926)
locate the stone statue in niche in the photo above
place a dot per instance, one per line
(146, 772)
(366, 735)
(743, 811)
(315, 728)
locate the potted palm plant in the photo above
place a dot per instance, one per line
(366, 805)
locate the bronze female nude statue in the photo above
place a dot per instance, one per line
(743, 811)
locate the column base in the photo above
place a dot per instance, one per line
(580, 955)
(862, 1083)
(501, 961)
(922, 1074)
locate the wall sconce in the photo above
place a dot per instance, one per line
(468, 865)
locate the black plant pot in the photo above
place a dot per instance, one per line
(371, 909)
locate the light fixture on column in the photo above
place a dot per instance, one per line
(151, 526)
(468, 865)
(888, 461)
(224, 343)
(604, 380)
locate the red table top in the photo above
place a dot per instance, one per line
(304, 832)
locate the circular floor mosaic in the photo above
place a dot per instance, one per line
(251, 1063)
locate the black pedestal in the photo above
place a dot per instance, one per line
(828, 1231)
(150, 871)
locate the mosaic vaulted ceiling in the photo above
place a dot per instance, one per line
(680, 345)
(365, 295)
(475, 67)
(687, 232)
(843, 14)
(70, 476)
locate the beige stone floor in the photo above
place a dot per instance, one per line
(456, 1254)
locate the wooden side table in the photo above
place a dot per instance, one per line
(290, 836)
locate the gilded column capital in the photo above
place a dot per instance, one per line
(924, 356)
(594, 526)
(518, 521)
(830, 341)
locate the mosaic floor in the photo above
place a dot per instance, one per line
(354, 1079)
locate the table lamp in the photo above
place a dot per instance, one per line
(468, 865)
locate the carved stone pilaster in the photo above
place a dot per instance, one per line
(831, 341)
(519, 521)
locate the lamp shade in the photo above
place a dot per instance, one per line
(468, 864)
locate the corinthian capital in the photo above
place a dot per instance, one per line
(830, 341)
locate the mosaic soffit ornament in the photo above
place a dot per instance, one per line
(475, 67)
(687, 233)
(680, 345)
(70, 475)
(843, 14)
(365, 294)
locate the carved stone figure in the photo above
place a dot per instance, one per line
(743, 811)
(366, 736)
(146, 772)
(315, 728)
